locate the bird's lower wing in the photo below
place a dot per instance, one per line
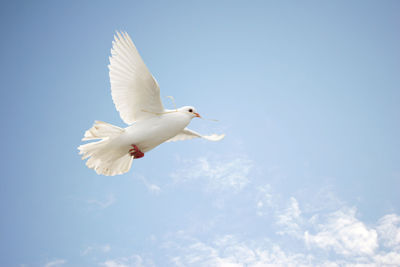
(187, 134)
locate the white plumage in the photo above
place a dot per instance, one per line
(136, 95)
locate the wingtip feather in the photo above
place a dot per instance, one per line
(214, 137)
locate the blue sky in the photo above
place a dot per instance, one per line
(307, 93)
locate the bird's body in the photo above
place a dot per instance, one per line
(148, 134)
(137, 97)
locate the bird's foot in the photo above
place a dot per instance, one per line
(135, 152)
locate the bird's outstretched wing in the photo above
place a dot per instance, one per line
(134, 90)
(187, 134)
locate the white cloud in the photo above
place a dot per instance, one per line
(340, 231)
(289, 218)
(387, 259)
(345, 234)
(219, 174)
(102, 204)
(54, 263)
(389, 231)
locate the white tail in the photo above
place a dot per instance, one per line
(105, 158)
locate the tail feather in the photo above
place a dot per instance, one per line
(110, 168)
(102, 130)
(104, 157)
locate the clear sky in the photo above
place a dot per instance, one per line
(307, 93)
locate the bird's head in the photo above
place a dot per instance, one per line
(191, 111)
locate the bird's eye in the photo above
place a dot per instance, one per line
(190, 110)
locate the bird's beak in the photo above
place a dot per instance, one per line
(197, 115)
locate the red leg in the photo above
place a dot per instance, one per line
(135, 152)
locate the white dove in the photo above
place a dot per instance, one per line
(136, 95)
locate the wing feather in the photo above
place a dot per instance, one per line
(188, 134)
(133, 88)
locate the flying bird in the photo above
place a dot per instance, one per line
(136, 95)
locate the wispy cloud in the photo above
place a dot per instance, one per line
(337, 238)
(153, 188)
(55, 263)
(229, 251)
(389, 231)
(219, 174)
(96, 248)
(320, 230)
(131, 261)
(102, 204)
(289, 218)
(266, 201)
